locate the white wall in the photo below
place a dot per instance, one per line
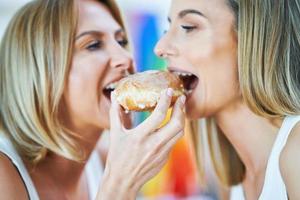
(9, 7)
(7, 10)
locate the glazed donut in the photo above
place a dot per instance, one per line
(141, 91)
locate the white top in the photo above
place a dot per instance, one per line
(274, 187)
(93, 170)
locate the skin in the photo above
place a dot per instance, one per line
(100, 58)
(204, 42)
(205, 63)
(289, 164)
(135, 155)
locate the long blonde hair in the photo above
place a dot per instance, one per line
(269, 75)
(36, 55)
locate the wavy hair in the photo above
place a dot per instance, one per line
(269, 76)
(36, 54)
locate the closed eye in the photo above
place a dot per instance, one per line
(95, 45)
(188, 29)
(123, 42)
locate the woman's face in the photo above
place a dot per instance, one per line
(201, 40)
(100, 58)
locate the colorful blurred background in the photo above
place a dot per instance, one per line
(146, 21)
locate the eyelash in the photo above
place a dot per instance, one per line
(123, 43)
(95, 45)
(188, 29)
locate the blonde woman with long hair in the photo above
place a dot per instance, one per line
(240, 60)
(58, 60)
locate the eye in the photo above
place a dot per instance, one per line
(95, 45)
(123, 42)
(188, 29)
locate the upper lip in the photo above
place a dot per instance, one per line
(110, 86)
(120, 74)
(113, 80)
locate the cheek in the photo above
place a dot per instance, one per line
(88, 70)
(218, 79)
(84, 81)
(200, 46)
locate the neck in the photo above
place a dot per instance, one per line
(252, 136)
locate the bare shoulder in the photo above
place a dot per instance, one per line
(290, 163)
(11, 183)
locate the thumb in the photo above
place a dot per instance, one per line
(115, 120)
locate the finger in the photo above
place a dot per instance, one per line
(158, 115)
(164, 149)
(176, 122)
(162, 155)
(157, 162)
(115, 120)
(171, 143)
(150, 172)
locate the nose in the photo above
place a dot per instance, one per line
(121, 59)
(164, 48)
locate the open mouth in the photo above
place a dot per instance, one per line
(107, 90)
(190, 80)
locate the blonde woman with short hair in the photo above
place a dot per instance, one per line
(240, 60)
(58, 60)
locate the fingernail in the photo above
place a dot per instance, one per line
(170, 92)
(182, 99)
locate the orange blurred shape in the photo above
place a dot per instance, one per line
(178, 177)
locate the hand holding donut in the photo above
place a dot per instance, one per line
(138, 154)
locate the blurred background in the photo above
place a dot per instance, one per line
(146, 21)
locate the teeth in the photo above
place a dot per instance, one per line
(183, 74)
(188, 91)
(111, 86)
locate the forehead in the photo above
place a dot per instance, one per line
(94, 15)
(209, 8)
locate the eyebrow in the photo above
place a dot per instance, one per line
(96, 33)
(183, 13)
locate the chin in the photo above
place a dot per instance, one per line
(105, 125)
(103, 122)
(192, 113)
(195, 108)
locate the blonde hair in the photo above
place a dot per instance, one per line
(36, 54)
(269, 75)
